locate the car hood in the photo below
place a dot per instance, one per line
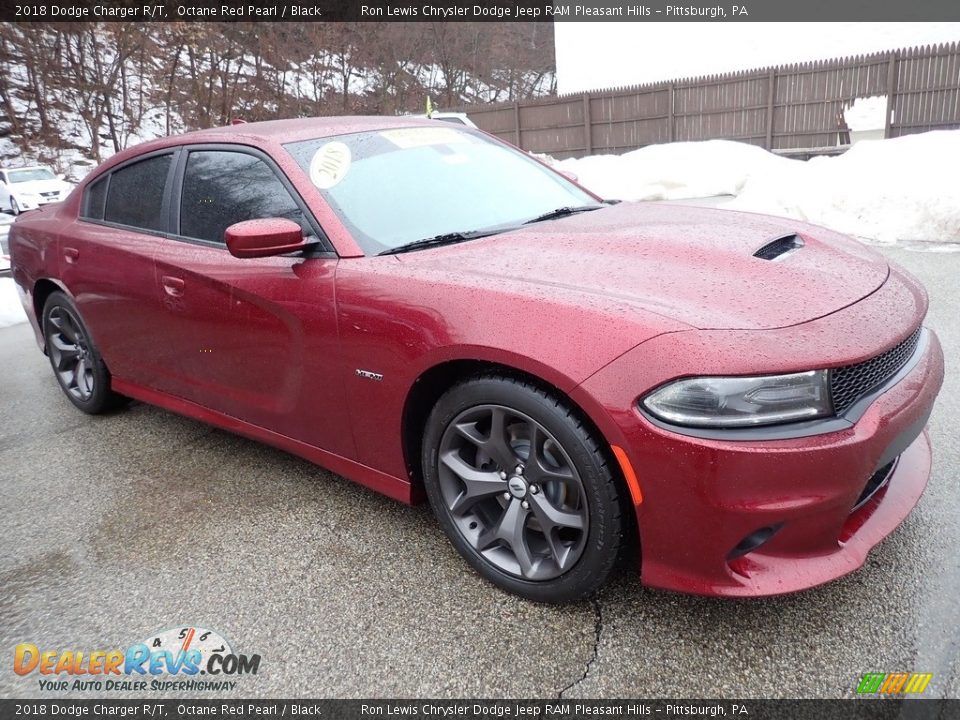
(693, 265)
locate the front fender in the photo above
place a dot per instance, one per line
(398, 322)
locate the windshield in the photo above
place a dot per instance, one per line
(19, 176)
(395, 187)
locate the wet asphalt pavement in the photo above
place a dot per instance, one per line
(115, 527)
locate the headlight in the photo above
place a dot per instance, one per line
(728, 402)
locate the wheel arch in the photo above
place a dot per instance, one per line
(433, 382)
(43, 289)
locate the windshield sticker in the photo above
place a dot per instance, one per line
(329, 165)
(417, 137)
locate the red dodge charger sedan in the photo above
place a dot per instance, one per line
(739, 400)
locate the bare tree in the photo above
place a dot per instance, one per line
(94, 86)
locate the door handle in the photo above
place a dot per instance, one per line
(71, 255)
(173, 286)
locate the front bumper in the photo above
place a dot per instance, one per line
(704, 497)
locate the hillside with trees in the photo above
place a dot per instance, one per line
(72, 94)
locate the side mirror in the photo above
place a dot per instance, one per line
(264, 238)
(569, 175)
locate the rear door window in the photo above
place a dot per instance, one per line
(135, 194)
(94, 199)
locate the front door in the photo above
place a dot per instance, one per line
(255, 339)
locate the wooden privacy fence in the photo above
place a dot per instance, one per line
(779, 108)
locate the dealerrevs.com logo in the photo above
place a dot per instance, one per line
(184, 659)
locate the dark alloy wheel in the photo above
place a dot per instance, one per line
(522, 489)
(77, 365)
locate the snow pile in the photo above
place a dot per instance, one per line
(879, 190)
(882, 191)
(11, 311)
(866, 113)
(674, 171)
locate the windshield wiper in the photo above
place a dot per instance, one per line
(451, 238)
(444, 239)
(561, 212)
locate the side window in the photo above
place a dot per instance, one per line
(221, 188)
(94, 198)
(135, 195)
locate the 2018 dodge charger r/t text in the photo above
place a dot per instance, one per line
(737, 399)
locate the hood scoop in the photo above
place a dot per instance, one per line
(780, 247)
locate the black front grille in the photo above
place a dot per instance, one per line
(851, 382)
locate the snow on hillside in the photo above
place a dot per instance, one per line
(80, 127)
(882, 191)
(73, 157)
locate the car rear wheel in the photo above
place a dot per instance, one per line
(75, 360)
(522, 488)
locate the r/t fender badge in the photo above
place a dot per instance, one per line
(370, 375)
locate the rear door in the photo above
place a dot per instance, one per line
(106, 262)
(255, 339)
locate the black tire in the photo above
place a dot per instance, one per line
(14, 207)
(76, 362)
(562, 509)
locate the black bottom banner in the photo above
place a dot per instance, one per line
(486, 709)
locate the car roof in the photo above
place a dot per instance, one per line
(284, 131)
(266, 133)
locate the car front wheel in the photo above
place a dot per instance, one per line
(75, 360)
(14, 206)
(522, 488)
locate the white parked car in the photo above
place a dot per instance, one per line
(28, 188)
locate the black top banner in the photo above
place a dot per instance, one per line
(478, 11)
